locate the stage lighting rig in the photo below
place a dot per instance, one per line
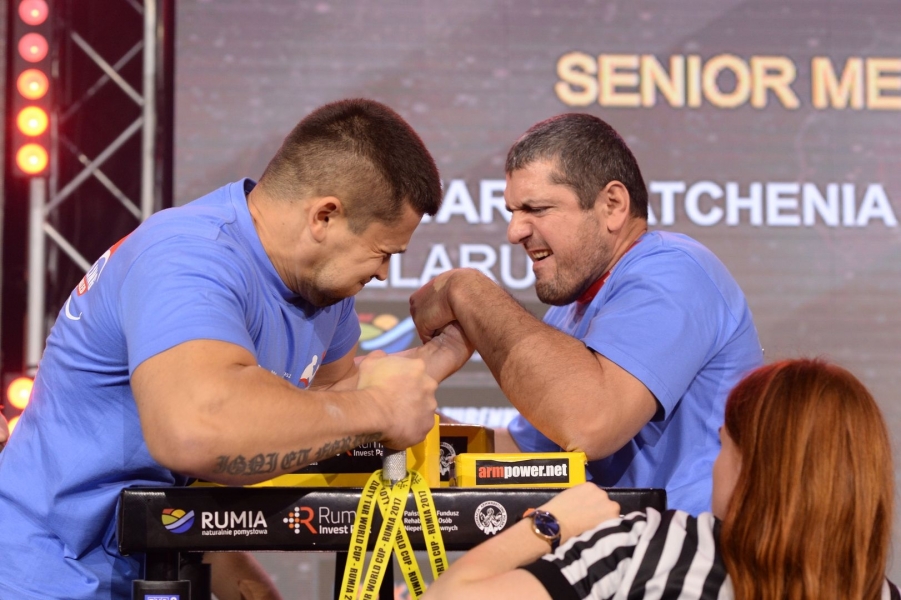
(30, 102)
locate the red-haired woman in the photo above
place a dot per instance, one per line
(802, 510)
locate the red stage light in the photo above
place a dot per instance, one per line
(19, 392)
(32, 121)
(32, 159)
(32, 84)
(33, 12)
(33, 47)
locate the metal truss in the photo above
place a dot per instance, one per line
(72, 166)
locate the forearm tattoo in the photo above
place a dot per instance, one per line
(238, 465)
(269, 463)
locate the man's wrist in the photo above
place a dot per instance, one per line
(378, 410)
(462, 285)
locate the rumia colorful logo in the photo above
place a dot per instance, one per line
(176, 520)
(385, 332)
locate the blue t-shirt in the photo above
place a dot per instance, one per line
(672, 316)
(194, 272)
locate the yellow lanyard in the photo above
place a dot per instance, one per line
(391, 502)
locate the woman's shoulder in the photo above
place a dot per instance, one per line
(650, 549)
(673, 518)
(890, 591)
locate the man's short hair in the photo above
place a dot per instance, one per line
(361, 152)
(588, 154)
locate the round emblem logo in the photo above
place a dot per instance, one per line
(446, 459)
(490, 517)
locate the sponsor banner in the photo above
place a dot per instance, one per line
(538, 470)
(319, 518)
(509, 469)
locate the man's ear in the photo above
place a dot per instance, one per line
(615, 204)
(322, 215)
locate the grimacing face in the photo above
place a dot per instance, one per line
(355, 259)
(569, 247)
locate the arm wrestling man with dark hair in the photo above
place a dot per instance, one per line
(217, 341)
(647, 332)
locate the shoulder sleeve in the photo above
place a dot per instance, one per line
(557, 586)
(180, 290)
(662, 320)
(347, 333)
(890, 591)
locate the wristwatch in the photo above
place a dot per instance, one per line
(545, 526)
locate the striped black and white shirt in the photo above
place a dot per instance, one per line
(644, 555)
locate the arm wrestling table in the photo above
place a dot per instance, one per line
(163, 523)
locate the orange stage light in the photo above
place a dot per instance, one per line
(32, 121)
(12, 424)
(33, 47)
(19, 392)
(32, 158)
(32, 84)
(33, 12)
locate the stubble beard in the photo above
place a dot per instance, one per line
(319, 295)
(575, 274)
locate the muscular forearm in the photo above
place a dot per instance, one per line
(553, 379)
(529, 359)
(222, 437)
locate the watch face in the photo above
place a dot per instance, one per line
(546, 524)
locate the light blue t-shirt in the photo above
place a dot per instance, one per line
(672, 316)
(194, 272)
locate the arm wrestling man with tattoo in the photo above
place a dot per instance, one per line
(217, 341)
(647, 331)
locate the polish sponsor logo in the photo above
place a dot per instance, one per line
(301, 515)
(368, 450)
(538, 470)
(176, 520)
(448, 521)
(233, 523)
(490, 517)
(321, 520)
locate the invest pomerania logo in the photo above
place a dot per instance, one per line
(176, 520)
(301, 515)
(536, 470)
(325, 521)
